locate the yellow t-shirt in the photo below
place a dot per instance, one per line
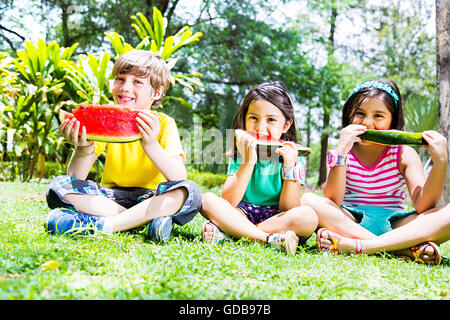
(127, 165)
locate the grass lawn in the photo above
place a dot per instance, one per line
(35, 265)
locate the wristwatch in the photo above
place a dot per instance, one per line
(335, 159)
(296, 173)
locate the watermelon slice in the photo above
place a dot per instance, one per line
(392, 137)
(266, 140)
(108, 123)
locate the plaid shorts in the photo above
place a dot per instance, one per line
(125, 196)
(257, 214)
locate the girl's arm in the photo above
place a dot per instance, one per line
(335, 184)
(235, 186)
(290, 195)
(83, 156)
(336, 180)
(291, 190)
(426, 193)
(172, 168)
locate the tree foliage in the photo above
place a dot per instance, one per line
(43, 78)
(244, 43)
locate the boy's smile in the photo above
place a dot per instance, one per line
(134, 91)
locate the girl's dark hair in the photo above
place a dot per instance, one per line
(275, 93)
(355, 100)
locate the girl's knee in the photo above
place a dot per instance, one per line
(208, 200)
(310, 199)
(309, 216)
(304, 218)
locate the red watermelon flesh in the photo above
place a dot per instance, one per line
(267, 140)
(108, 123)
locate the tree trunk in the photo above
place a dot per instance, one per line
(327, 111)
(162, 5)
(443, 78)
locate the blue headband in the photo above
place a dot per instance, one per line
(376, 84)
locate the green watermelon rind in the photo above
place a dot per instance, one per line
(63, 115)
(302, 150)
(391, 137)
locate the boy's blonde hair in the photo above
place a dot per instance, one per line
(143, 63)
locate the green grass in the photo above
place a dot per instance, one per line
(126, 266)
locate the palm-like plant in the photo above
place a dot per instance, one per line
(153, 39)
(89, 78)
(421, 114)
(28, 117)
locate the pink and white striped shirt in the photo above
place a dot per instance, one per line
(381, 185)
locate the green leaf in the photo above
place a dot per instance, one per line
(144, 43)
(159, 27)
(93, 63)
(168, 43)
(118, 44)
(147, 25)
(153, 47)
(68, 52)
(142, 33)
(32, 56)
(102, 73)
(179, 99)
(42, 54)
(22, 68)
(185, 84)
(189, 78)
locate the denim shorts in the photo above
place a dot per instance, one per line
(377, 219)
(257, 214)
(125, 196)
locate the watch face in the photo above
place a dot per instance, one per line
(342, 160)
(330, 158)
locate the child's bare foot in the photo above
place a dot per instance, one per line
(207, 231)
(427, 253)
(334, 243)
(287, 241)
(211, 233)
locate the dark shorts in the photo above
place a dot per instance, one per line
(377, 220)
(257, 214)
(126, 197)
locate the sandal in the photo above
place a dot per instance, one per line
(217, 237)
(419, 249)
(289, 244)
(335, 239)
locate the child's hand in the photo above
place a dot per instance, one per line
(437, 144)
(289, 154)
(349, 135)
(70, 129)
(149, 127)
(246, 144)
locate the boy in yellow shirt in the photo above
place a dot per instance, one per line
(143, 181)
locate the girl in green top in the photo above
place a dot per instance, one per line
(261, 195)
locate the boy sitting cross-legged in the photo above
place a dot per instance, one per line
(143, 181)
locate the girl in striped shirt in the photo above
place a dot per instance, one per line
(364, 206)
